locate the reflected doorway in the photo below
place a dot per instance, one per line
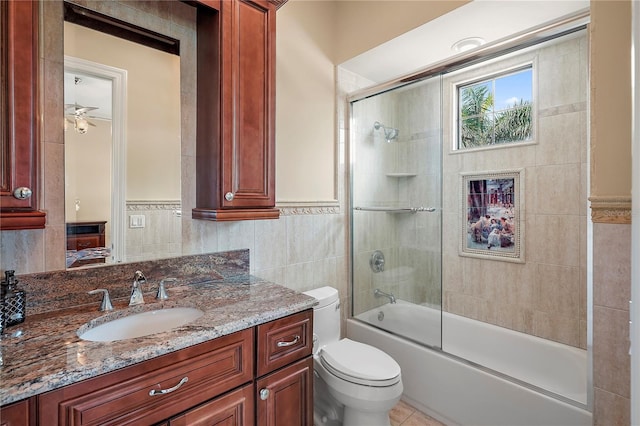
(95, 141)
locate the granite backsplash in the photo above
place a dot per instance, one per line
(57, 290)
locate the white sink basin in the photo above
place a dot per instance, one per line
(142, 324)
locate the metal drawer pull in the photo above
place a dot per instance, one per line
(264, 394)
(154, 392)
(291, 343)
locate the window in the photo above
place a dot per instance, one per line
(496, 111)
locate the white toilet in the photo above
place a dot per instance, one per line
(354, 384)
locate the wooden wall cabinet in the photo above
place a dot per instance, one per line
(235, 158)
(19, 116)
(258, 376)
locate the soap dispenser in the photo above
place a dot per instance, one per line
(13, 300)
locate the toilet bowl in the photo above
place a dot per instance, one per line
(354, 384)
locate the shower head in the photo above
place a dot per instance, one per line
(389, 132)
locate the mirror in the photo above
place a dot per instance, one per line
(122, 149)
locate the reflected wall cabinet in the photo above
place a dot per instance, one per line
(235, 157)
(19, 116)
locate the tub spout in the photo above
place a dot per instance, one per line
(379, 293)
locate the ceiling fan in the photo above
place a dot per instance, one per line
(76, 114)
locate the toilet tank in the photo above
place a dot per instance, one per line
(326, 316)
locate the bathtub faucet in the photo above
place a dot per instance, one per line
(380, 293)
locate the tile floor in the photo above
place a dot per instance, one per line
(405, 415)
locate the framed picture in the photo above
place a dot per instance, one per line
(491, 210)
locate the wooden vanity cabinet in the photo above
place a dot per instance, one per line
(234, 408)
(19, 140)
(235, 154)
(259, 376)
(21, 413)
(284, 385)
(134, 395)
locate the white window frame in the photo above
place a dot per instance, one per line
(492, 76)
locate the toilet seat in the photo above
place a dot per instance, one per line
(359, 363)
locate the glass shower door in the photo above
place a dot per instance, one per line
(396, 159)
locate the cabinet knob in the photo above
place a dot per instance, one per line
(264, 394)
(22, 193)
(228, 196)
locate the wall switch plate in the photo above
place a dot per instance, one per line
(136, 221)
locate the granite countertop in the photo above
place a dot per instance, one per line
(45, 352)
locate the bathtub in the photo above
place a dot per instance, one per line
(485, 375)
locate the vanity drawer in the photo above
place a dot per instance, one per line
(80, 243)
(284, 341)
(124, 396)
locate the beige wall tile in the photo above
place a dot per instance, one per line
(557, 189)
(611, 371)
(610, 409)
(23, 251)
(270, 244)
(559, 290)
(54, 237)
(54, 183)
(555, 240)
(611, 265)
(561, 138)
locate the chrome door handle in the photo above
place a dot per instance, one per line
(291, 343)
(264, 394)
(229, 196)
(154, 392)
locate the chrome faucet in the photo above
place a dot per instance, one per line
(380, 293)
(136, 290)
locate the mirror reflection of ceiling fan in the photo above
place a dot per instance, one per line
(77, 116)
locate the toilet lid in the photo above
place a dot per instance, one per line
(360, 363)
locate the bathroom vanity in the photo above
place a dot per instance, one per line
(213, 381)
(245, 361)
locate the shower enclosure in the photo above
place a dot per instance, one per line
(396, 199)
(442, 191)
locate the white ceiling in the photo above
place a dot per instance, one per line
(431, 43)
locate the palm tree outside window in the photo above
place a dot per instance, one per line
(496, 110)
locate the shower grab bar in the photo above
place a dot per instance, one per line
(396, 210)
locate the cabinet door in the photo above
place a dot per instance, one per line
(235, 161)
(232, 409)
(17, 414)
(18, 116)
(248, 103)
(286, 396)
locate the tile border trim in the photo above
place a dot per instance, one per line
(288, 208)
(611, 209)
(135, 205)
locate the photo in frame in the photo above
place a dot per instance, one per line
(491, 209)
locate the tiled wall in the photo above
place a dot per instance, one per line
(161, 235)
(611, 295)
(546, 295)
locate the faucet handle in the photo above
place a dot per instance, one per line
(139, 277)
(106, 300)
(162, 293)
